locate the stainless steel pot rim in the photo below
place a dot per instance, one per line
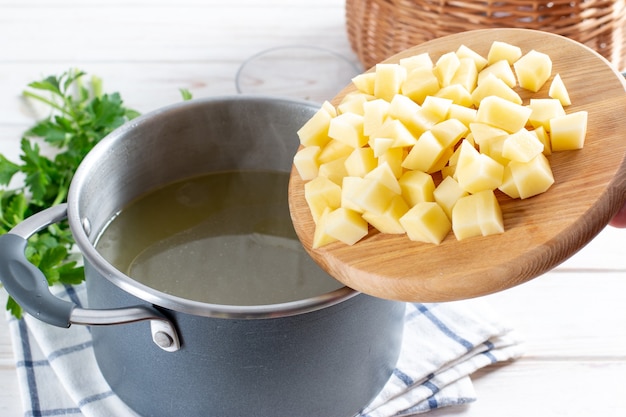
(81, 232)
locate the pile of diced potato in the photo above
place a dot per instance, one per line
(420, 147)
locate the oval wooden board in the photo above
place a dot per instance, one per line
(541, 231)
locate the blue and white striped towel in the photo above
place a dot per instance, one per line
(443, 345)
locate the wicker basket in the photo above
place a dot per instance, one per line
(378, 29)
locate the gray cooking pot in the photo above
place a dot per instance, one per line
(328, 355)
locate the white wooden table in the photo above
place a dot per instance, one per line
(573, 318)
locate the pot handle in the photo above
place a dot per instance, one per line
(29, 287)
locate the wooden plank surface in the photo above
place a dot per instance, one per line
(573, 319)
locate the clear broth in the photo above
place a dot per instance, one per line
(222, 238)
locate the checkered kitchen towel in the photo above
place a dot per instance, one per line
(443, 345)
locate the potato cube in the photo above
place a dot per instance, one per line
(449, 132)
(417, 186)
(321, 193)
(500, 69)
(353, 103)
(345, 225)
(389, 80)
(334, 170)
(483, 134)
(558, 90)
(533, 70)
(477, 215)
(476, 172)
(350, 186)
(426, 222)
(465, 115)
(503, 51)
(521, 146)
(544, 109)
(466, 75)
(422, 60)
(375, 113)
(568, 132)
(396, 130)
(503, 114)
(305, 161)
(533, 177)
(466, 52)
(365, 82)
(494, 86)
(348, 128)
(315, 131)
(389, 220)
(457, 93)
(419, 84)
(508, 186)
(437, 106)
(445, 68)
(394, 157)
(360, 162)
(385, 175)
(447, 193)
(544, 138)
(380, 145)
(372, 196)
(334, 149)
(402, 108)
(320, 237)
(424, 154)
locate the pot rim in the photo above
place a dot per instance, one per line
(158, 298)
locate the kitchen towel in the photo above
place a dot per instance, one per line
(444, 343)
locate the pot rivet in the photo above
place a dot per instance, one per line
(163, 339)
(86, 225)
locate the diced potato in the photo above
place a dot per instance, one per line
(350, 186)
(345, 225)
(437, 106)
(424, 154)
(465, 115)
(422, 121)
(320, 237)
(372, 196)
(508, 185)
(381, 145)
(394, 157)
(533, 70)
(396, 130)
(348, 128)
(466, 52)
(305, 161)
(533, 177)
(500, 69)
(494, 86)
(420, 83)
(334, 150)
(334, 170)
(449, 132)
(403, 109)
(365, 82)
(445, 68)
(568, 132)
(422, 60)
(447, 193)
(544, 109)
(457, 93)
(360, 162)
(503, 51)
(494, 149)
(483, 134)
(558, 90)
(321, 193)
(503, 114)
(353, 103)
(384, 175)
(426, 222)
(315, 131)
(466, 75)
(521, 146)
(476, 172)
(389, 80)
(417, 186)
(375, 113)
(389, 220)
(477, 214)
(544, 138)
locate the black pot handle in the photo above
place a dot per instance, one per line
(29, 287)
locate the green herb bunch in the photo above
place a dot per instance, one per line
(80, 116)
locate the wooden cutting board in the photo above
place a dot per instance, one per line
(541, 232)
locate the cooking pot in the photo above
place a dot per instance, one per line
(327, 355)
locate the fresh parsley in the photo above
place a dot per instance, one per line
(80, 116)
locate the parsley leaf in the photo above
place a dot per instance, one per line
(80, 116)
